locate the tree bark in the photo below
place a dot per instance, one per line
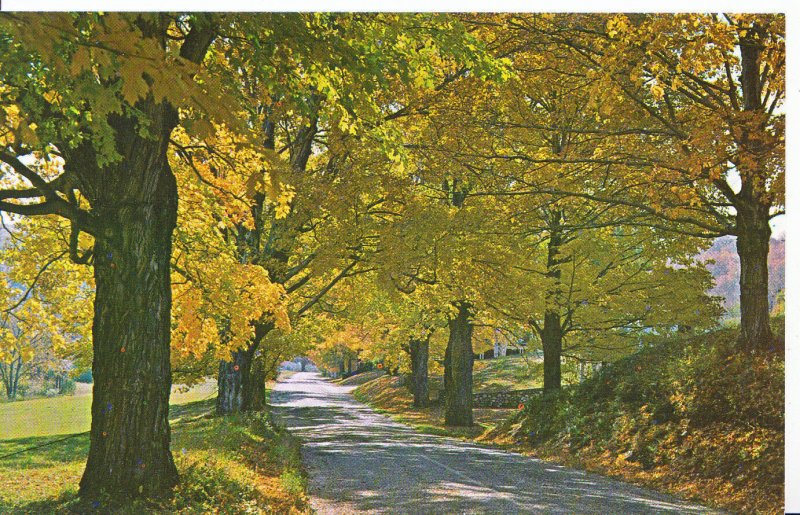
(458, 368)
(752, 245)
(254, 396)
(15, 384)
(241, 381)
(551, 345)
(230, 384)
(129, 451)
(419, 371)
(752, 208)
(551, 333)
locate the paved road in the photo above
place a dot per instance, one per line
(362, 462)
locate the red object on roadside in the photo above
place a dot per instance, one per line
(521, 406)
(380, 365)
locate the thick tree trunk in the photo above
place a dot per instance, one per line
(551, 344)
(419, 371)
(230, 383)
(134, 208)
(241, 381)
(458, 369)
(129, 451)
(752, 245)
(254, 396)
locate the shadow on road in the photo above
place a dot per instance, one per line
(361, 461)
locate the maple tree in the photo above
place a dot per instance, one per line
(698, 96)
(47, 302)
(98, 95)
(102, 93)
(354, 182)
(396, 329)
(311, 124)
(606, 286)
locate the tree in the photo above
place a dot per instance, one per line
(396, 330)
(99, 95)
(93, 98)
(310, 125)
(699, 96)
(606, 286)
(47, 303)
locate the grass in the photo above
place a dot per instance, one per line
(236, 464)
(69, 414)
(360, 378)
(506, 373)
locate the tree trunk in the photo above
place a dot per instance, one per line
(752, 245)
(552, 333)
(752, 208)
(129, 451)
(458, 371)
(240, 384)
(419, 371)
(551, 344)
(15, 384)
(134, 206)
(254, 394)
(230, 384)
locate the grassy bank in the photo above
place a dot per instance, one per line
(237, 464)
(690, 416)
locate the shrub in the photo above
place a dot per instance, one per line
(85, 377)
(67, 387)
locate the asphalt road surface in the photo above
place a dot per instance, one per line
(362, 462)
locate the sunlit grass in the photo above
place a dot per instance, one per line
(69, 414)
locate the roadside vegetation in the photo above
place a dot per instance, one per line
(388, 395)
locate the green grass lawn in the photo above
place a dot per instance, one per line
(69, 414)
(228, 465)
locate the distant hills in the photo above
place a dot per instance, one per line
(725, 270)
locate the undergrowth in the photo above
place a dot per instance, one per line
(691, 415)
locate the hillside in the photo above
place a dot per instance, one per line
(692, 416)
(725, 269)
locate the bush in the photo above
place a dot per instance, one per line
(67, 387)
(85, 377)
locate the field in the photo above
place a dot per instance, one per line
(69, 414)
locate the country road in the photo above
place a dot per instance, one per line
(362, 462)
